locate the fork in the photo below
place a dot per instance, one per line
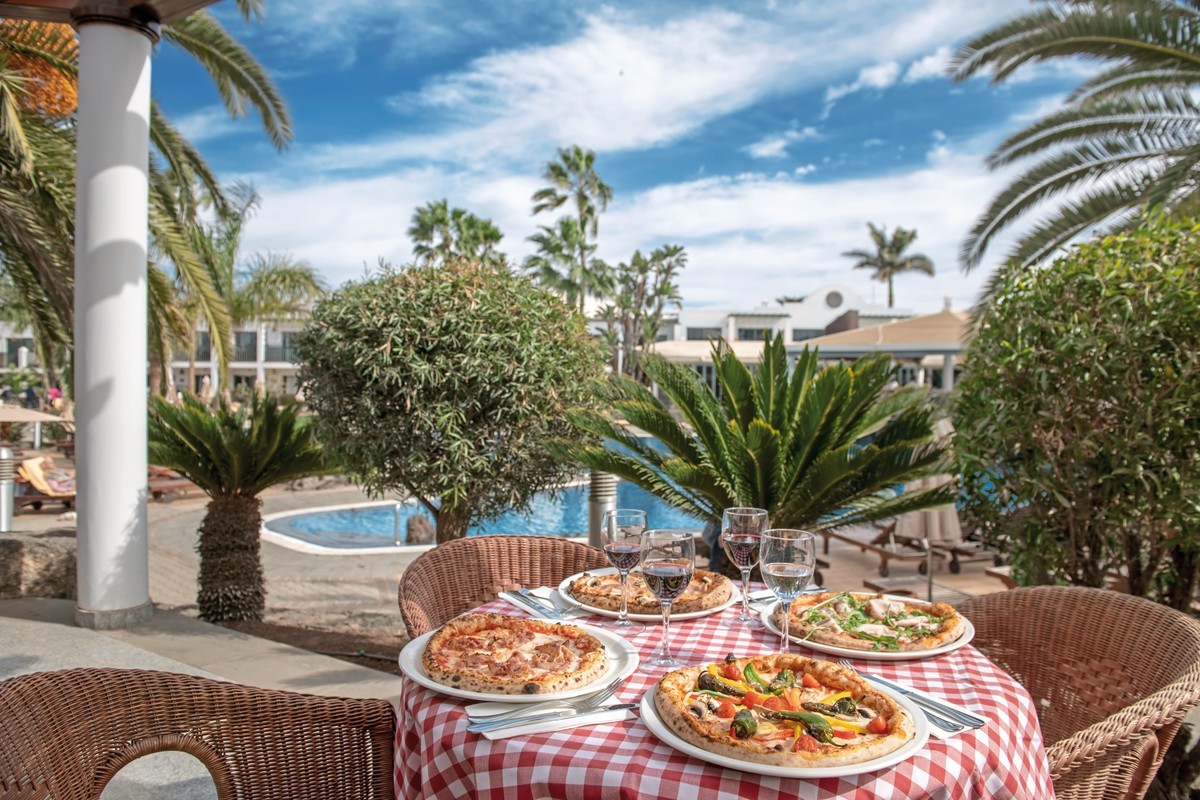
(580, 703)
(576, 706)
(948, 725)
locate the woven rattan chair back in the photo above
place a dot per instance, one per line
(459, 575)
(1112, 676)
(63, 735)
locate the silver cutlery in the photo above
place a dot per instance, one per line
(548, 605)
(491, 725)
(934, 710)
(594, 699)
(537, 608)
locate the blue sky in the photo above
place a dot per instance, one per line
(761, 136)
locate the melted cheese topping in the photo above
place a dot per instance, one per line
(520, 654)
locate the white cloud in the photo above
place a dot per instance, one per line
(807, 169)
(776, 145)
(877, 76)
(931, 66)
(873, 142)
(209, 123)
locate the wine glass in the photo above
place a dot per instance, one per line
(668, 560)
(622, 531)
(741, 532)
(789, 558)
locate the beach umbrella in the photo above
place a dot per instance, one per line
(20, 414)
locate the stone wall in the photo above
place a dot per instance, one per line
(40, 564)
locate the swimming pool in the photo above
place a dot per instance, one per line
(373, 526)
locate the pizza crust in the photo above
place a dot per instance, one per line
(499, 654)
(706, 591)
(950, 628)
(670, 701)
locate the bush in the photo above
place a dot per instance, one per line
(1080, 404)
(447, 382)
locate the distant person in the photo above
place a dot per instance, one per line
(6, 393)
(53, 394)
(31, 397)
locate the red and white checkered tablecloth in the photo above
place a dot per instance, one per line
(437, 758)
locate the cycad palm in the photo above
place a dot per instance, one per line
(792, 444)
(232, 456)
(888, 259)
(1126, 139)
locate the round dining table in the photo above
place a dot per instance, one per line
(436, 757)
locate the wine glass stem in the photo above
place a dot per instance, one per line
(666, 614)
(624, 597)
(746, 592)
(785, 645)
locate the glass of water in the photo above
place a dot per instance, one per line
(788, 560)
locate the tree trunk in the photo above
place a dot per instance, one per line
(891, 293)
(1182, 591)
(156, 375)
(231, 576)
(452, 525)
(191, 372)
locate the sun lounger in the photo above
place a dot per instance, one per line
(884, 542)
(43, 482)
(164, 481)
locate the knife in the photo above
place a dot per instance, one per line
(537, 608)
(965, 718)
(479, 727)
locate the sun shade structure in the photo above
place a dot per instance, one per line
(111, 179)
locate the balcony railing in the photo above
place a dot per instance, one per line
(245, 352)
(281, 352)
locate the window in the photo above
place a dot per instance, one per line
(800, 334)
(203, 346)
(833, 299)
(13, 355)
(703, 334)
(754, 334)
(245, 346)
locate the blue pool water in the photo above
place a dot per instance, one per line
(565, 514)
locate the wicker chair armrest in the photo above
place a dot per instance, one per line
(1126, 727)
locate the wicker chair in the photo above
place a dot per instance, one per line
(1112, 677)
(459, 575)
(63, 735)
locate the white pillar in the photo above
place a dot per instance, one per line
(110, 328)
(260, 371)
(948, 373)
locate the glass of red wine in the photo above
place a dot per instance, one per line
(741, 537)
(668, 560)
(789, 558)
(622, 533)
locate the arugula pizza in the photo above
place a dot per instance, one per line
(782, 710)
(860, 621)
(499, 654)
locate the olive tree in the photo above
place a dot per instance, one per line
(446, 383)
(1080, 406)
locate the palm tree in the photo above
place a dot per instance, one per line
(817, 449)
(1126, 139)
(573, 177)
(561, 263)
(442, 233)
(232, 456)
(889, 260)
(37, 80)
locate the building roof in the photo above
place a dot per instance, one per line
(933, 334)
(682, 351)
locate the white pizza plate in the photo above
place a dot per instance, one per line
(877, 655)
(660, 729)
(564, 592)
(622, 661)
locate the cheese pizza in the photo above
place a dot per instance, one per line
(499, 654)
(782, 710)
(603, 590)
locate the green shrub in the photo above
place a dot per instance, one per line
(1080, 404)
(447, 382)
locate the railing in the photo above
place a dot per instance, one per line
(281, 352)
(245, 352)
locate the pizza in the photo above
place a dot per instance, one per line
(603, 590)
(782, 710)
(499, 654)
(859, 621)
